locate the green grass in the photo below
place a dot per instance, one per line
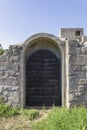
(64, 119)
(31, 114)
(57, 119)
(13, 118)
(8, 111)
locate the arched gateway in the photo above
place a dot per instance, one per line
(43, 71)
(46, 70)
(43, 79)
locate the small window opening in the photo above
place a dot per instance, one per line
(77, 33)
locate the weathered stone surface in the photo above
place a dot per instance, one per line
(13, 59)
(9, 69)
(4, 81)
(77, 74)
(73, 88)
(6, 93)
(84, 50)
(14, 88)
(73, 59)
(77, 60)
(74, 68)
(72, 50)
(79, 98)
(81, 81)
(73, 43)
(84, 68)
(1, 89)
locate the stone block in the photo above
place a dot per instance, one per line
(85, 50)
(79, 51)
(71, 96)
(6, 93)
(1, 89)
(78, 60)
(73, 88)
(72, 50)
(14, 88)
(73, 43)
(6, 81)
(5, 99)
(71, 82)
(15, 97)
(6, 87)
(14, 59)
(15, 83)
(81, 81)
(77, 74)
(15, 50)
(81, 60)
(84, 68)
(72, 59)
(74, 68)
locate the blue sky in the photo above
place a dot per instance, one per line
(19, 19)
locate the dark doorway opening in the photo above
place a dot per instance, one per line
(43, 79)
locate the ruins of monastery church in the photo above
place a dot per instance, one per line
(46, 70)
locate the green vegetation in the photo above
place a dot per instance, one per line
(53, 119)
(1, 51)
(8, 111)
(64, 119)
(31, 114)
(12, 118)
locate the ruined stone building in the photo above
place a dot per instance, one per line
(46, 70)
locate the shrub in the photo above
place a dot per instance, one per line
(1, 51)
(7, 111)
(64, 119)
(31, 114)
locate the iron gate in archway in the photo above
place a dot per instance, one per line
(43, 79)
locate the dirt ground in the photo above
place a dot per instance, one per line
(20, 122)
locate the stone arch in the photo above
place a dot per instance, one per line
(34, 43)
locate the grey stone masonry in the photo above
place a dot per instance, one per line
(70, 48)
(77, 74)
(10, 75)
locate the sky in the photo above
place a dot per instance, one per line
(19, 19)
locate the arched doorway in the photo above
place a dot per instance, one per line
(43, 79)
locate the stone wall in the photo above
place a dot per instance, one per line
(10, 75)
(74, 71)
(77, 74)
(70, 33)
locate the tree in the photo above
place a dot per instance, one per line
(1, 50)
